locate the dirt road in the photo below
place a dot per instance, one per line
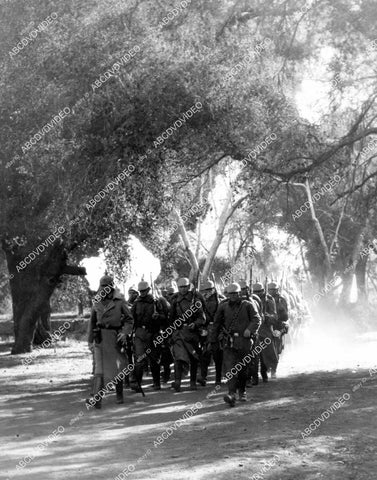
(44, 419)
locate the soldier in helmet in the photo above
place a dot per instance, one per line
(166, 358)
(187, 316)
(281, 323)
(150, 316)
(132, 295)
(236, 320)
(252, 368)
(268, 356)
(128, 348)
(209, 350)
(245, 293)
(170, 292)
(110, 323)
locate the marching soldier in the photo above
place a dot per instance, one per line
(236, 320)
(281, 323)
(166, 358)
(212, 301)
(252, 368)
(245, 293)
(132, 296)
(150, 317)
(128, 348)
(187, 316)
(268, 356)
(110, 323)
(170, 292)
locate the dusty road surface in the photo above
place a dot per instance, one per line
(44, 420)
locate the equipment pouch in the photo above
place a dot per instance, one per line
(238, 342)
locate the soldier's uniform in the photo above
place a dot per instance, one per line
(236, 320)
(150, 317)
(209, 350)
(252, 368)
(166, 358)
(128, 348)
(268, 356)
(110, 322)
(281, 323)
(187, 316)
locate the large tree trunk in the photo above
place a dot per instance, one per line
(188, 248)
(345, 294)
(226, 214)
(32, 287)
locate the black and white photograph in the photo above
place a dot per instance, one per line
(188, 239)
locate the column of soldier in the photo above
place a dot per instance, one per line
(187, 328)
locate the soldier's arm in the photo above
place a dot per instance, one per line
(254, 318)
(127, 319)
(173, 311)
(200, 316)
(271, 315)
(162, 308)
(91, 325)
(284, 308)
(217, 324)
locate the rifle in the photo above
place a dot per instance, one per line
(265, 296)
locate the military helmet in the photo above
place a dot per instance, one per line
(234, 288)
(106, 280)
(143, 286)
(258, 287)
(207, 285)
(272, 286)
(171, 290)
(132, 289)
(183, 282)
(243, 284)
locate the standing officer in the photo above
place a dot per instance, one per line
(281, 323)
(150, 317)
(236, 320)
(110, 323)
(209, 350)
(187, 316)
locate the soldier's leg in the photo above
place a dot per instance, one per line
(242, 378)
(263, 369)
(205, 360)
(166, 360)
(129, 359)
(97, 385)
(178, 370)
(155, 369)
(277, 343)
(254, 368)
(96, 400)
(193, 372)
(218, 360)
(230, 361)
(119, 391)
